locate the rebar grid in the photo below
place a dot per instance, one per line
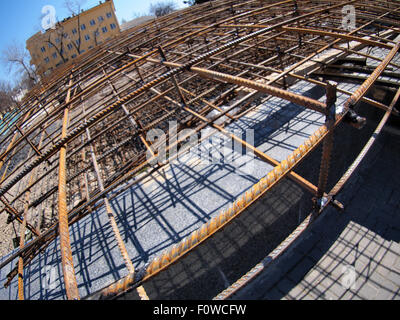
(82, 132)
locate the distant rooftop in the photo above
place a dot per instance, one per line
(136, 22)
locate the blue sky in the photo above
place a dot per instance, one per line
(21, 18)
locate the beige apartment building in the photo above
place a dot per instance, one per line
(73, 36)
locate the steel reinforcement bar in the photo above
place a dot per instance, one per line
(216, 224)
(201, 47)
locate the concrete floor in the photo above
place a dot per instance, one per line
(352, 255)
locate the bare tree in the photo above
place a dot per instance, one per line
(7, 97)
(193, 2)
(162, 8)
(17, 60)
(56, 39)
(24, 83)
(96, 33)
(74, 7)
(136, 15)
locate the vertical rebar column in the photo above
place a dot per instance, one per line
(331, 96)
(71, 286)
(280, 55)
(128, 262)
(11, 144)
(178, 89)
(23, 228)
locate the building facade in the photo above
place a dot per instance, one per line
(73, 36)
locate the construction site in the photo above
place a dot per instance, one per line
(181, 158)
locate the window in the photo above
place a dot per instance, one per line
(73, 56)
(83, 27)
(50, 45)
(82, 51)
(69, 46)
(87, 37)
(109, 15)
(65, 35)
(74, 31)
(55, 55)
(78, 42)
(101, 19)
(90, 47)
(97, 33)
(92, 22)
(104, 29)
(113, 26)
(43, 49)
(58, 40)
(47, 60)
